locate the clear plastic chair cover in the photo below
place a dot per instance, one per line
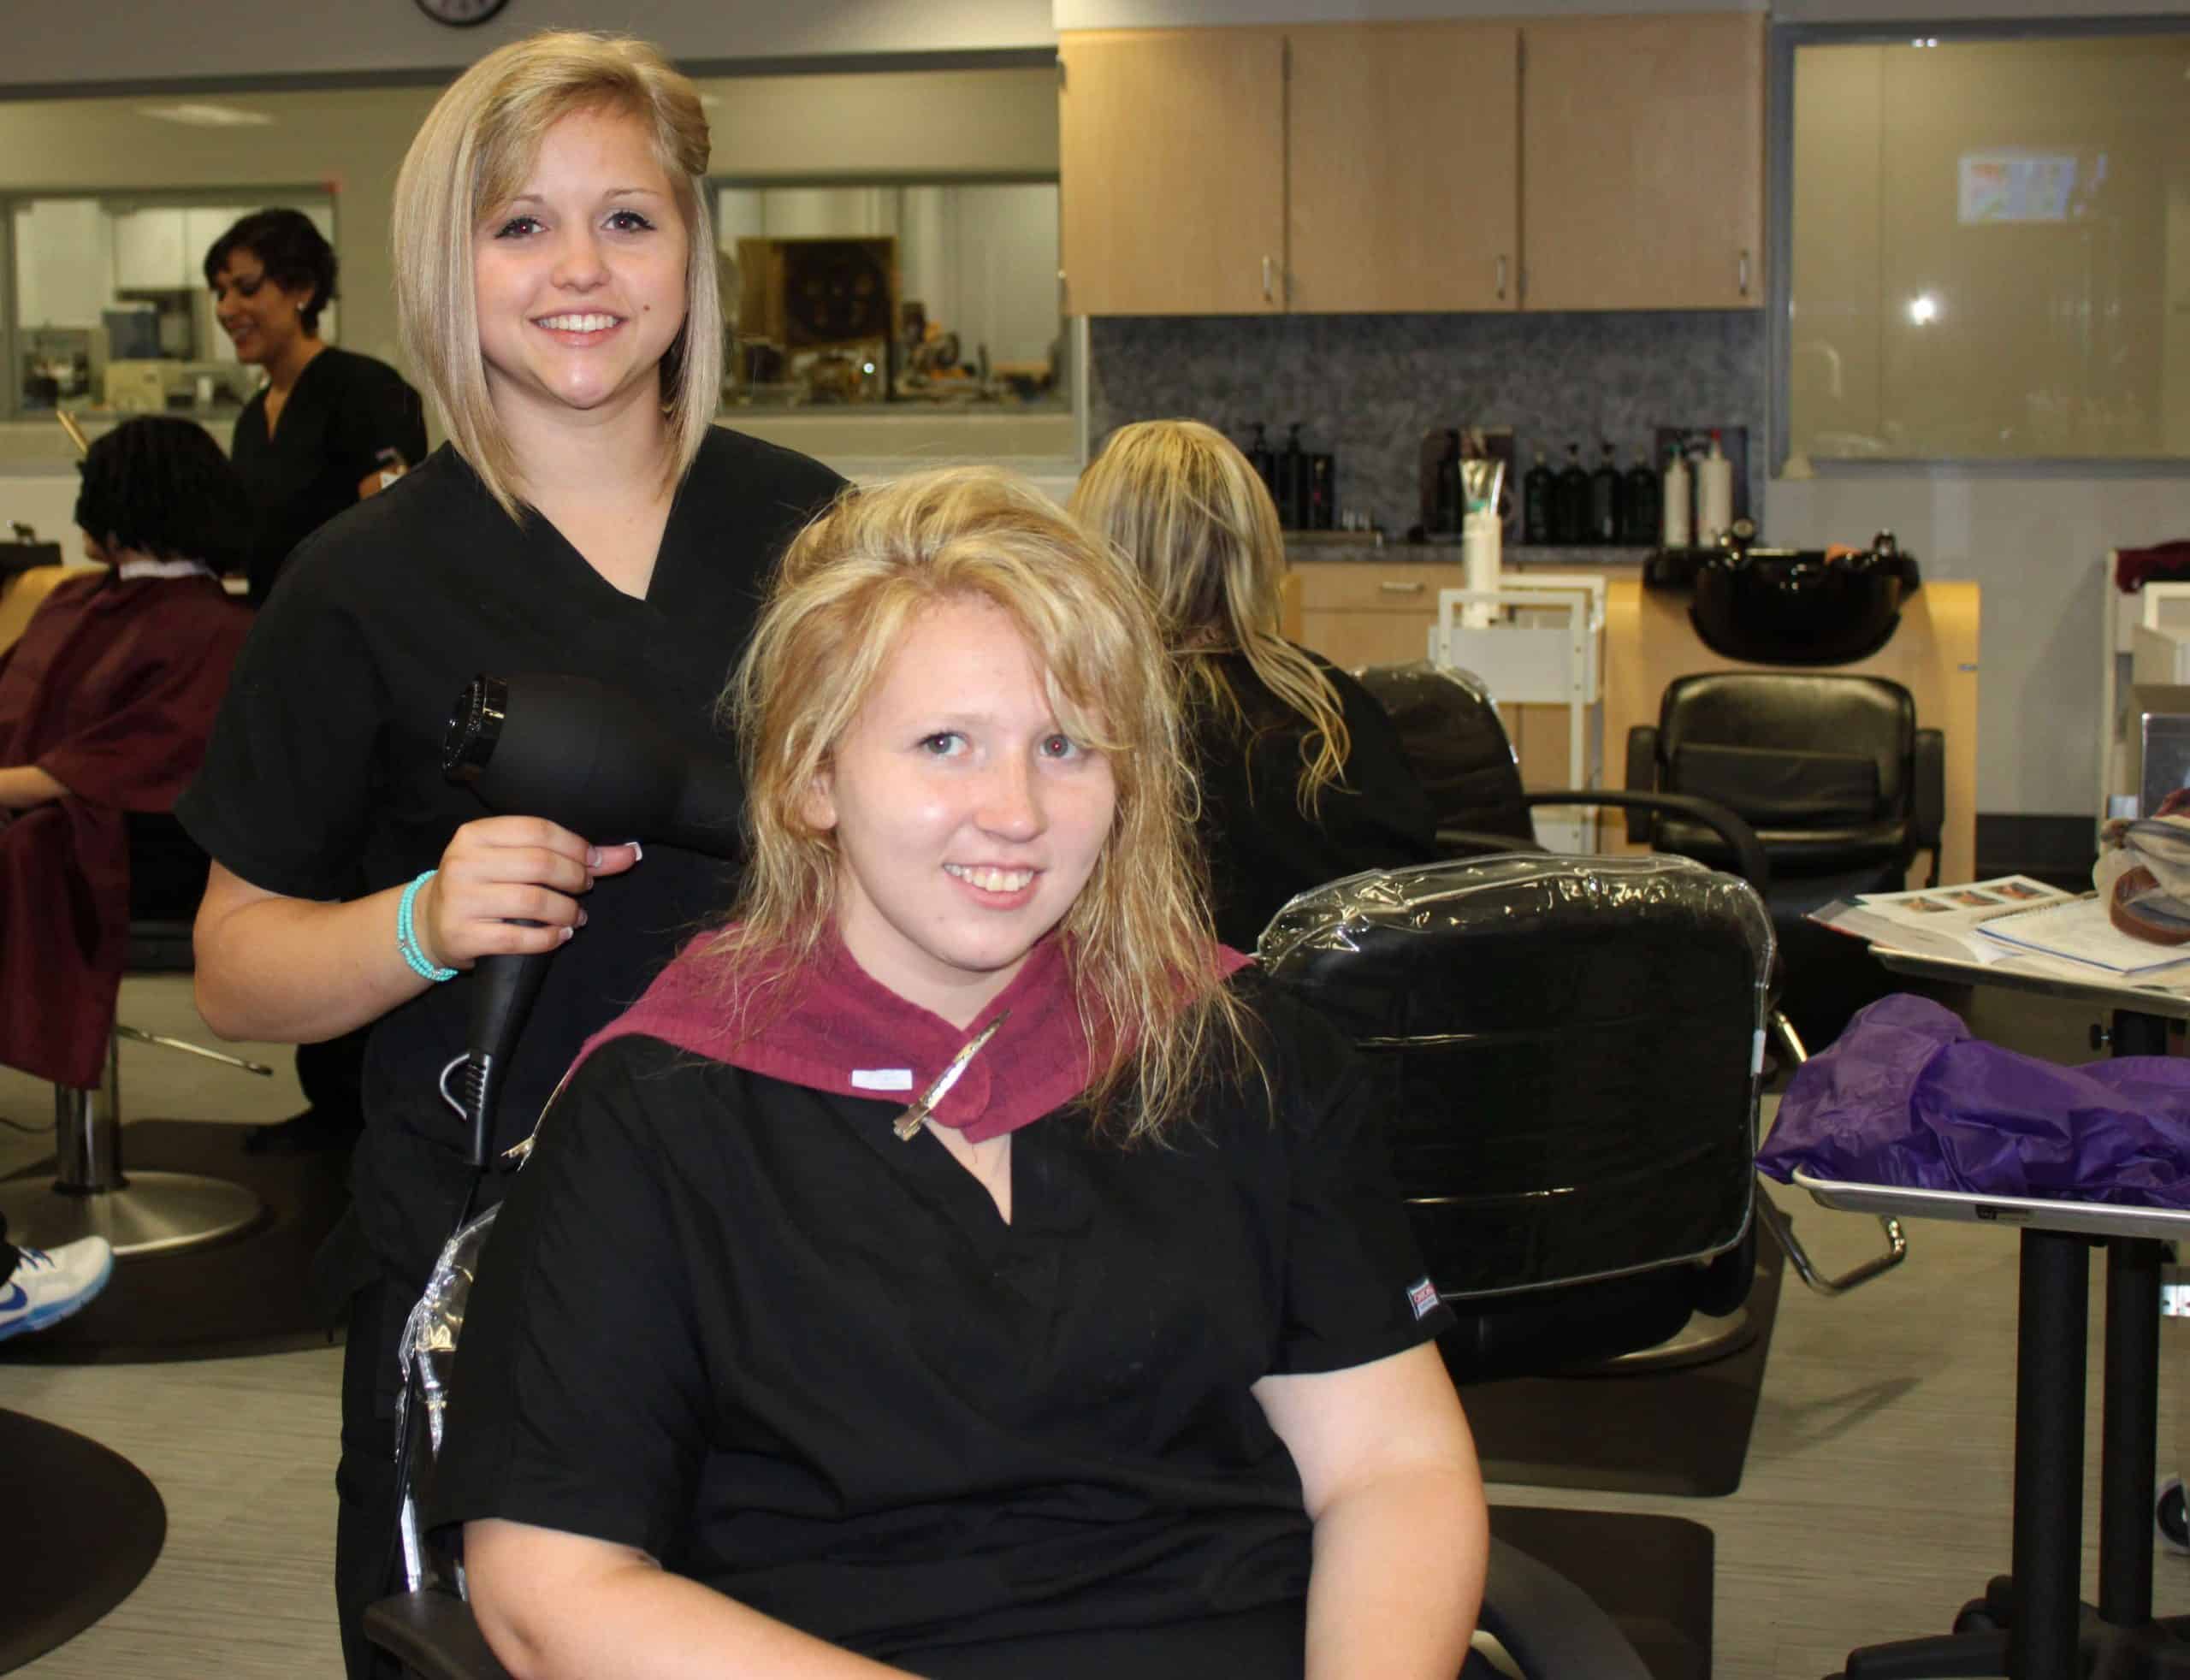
(1566, 1051)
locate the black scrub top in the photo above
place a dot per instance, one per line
(740, 1325)
(324, 765)
(1262, 849)
(343, 410)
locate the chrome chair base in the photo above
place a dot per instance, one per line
(148, 1213)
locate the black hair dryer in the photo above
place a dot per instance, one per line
(591, 760)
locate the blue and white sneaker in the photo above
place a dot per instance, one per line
(48, 1285)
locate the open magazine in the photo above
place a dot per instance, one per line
(2014, 919)
(1940, 921)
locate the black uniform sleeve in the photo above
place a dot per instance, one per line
(284, 798)
(580, 1399)
(1356, 1289)
(376, 410)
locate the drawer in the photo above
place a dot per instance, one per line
(1358, 586)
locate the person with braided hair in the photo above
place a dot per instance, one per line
(105, 706)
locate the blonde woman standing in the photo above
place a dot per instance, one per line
(1302, 779)
(1113, 1359)
(556, 292)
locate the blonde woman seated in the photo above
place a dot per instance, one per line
(1302, 778)
(793, 1355)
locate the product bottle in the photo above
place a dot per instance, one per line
(1261, 460)
(1641, 525)
(1606, 499)
(1675, 524)
(1537, 492)
(1292, 489)
(1570, 505)
(1715, 495)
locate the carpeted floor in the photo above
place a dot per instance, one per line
(85, 1527)
(244, 1295)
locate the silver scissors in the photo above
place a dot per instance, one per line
(914, 1117)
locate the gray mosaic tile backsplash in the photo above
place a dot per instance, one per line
(1368, 387)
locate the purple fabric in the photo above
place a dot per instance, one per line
(1906, 1097)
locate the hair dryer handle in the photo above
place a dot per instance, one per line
(502, 991)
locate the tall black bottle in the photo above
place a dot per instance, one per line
(1538, 488)
(1608, 502)
(1260, 457)
(1644, 502)
(1291, 490)
(1570, 501)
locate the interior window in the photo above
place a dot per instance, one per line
(1991, 245)
(939, 293)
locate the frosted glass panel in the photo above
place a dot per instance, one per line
(1991, 250)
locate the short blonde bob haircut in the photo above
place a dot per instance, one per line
(1194, 518)
(1139, 937)
(471, 157)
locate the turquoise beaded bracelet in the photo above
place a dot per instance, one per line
(406, 937)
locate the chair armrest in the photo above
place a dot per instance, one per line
(432, 1634)
(1466, 843)
(1928, 793)
(1748, 851)
(1550, 1625)
(1641, 777)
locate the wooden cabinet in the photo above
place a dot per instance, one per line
(1643, 141)
(1355, 613)
(1171, 151)
(1405, 169)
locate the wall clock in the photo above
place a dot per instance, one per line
(461, 14)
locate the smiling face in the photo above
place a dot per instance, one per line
(967, 820)
(579, 279)
(262, 320)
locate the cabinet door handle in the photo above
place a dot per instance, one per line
(1501, 280)
(1270, 281)
(1392, 586)
(1742, 280)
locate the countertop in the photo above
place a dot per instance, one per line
(1361, 548)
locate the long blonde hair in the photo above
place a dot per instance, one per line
(471, 155)
(1138, 936)
(1181, 503)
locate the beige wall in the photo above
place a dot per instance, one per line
(899, 124)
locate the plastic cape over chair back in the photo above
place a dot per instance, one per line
(427, 1354)
(1566, 1052)
(1905, 1096)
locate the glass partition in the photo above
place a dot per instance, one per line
(112, 314)
(1991, 249)
(941, 294)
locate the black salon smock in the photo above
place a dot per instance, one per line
(342, 411)
(1262, 849)
(741, 1325)
(325, 763)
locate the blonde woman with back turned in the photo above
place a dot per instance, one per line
(555, 280)
(1302, 779)
(1114, 1359)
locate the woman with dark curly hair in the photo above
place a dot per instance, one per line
(329, 422)
(105, 706)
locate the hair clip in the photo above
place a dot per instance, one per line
(914, 1117)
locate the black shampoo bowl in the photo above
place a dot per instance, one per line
(1791, 605)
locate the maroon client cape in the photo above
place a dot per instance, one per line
(111, 691)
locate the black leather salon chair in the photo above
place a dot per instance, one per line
(91, 1193)
(1565, 1051)
(1451, 734)
(1845, 792)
